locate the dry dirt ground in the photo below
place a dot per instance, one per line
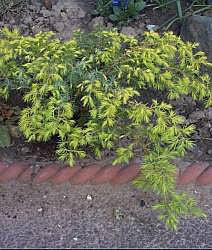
(68, 216)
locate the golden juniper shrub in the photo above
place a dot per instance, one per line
(92, 93)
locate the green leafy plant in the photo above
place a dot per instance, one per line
(91, 93)
(118, 14)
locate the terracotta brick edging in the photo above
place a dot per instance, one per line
(97, 174)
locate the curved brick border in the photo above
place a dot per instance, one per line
(97, 174)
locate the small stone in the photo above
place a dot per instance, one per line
(141, 28)
(109, 25)
(147, 20)
(210, 152)
(36, 29)
(210, 113)
(97, 21)
(152, 27)
(197, 115)
(41, 19)
(66, 35)
(24, 28)
(56, 14)
(59, 26)
(89, 198)
(12, 21)
(40, 209)
(27, 20)
(32, 7)
(25, 150)
(87, 18)
(45, 13)
(129, 31)
(75, 239)
(75, 12)
(64, 16)
(118, 214)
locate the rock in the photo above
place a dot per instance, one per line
(52, 20)
(41, 19)
(25, 150)
(59, 26)
(56, 14)
(209, 151)
(129, 31)
(64, 17)
(152, 27)
(24, 29)
(36, 29)
(12, 21)
(70, 27)
(195, 116)
(141, 28)
(75, 12)
(32, 7)
(97, 21)
(47, 4)
(210, 113)
(58, 7)
(199, 29)
(27, 20)
(45, 13)
(109, 25)
(66, 35)
(87, 18)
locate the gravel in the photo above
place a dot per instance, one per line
(47, 216)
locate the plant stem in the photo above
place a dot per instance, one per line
(179, 9)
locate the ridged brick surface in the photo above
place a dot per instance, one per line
(97, 174)
(46, 173)
(65, 174)
(106, 174)
(126, 174)
(191, 173)
(3, 166)
(26, 175)
(12, 172)
(206, 177)
(85, 175)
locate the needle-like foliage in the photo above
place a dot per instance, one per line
(92, 93)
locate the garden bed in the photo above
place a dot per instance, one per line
(34, 17)
(113, 127)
